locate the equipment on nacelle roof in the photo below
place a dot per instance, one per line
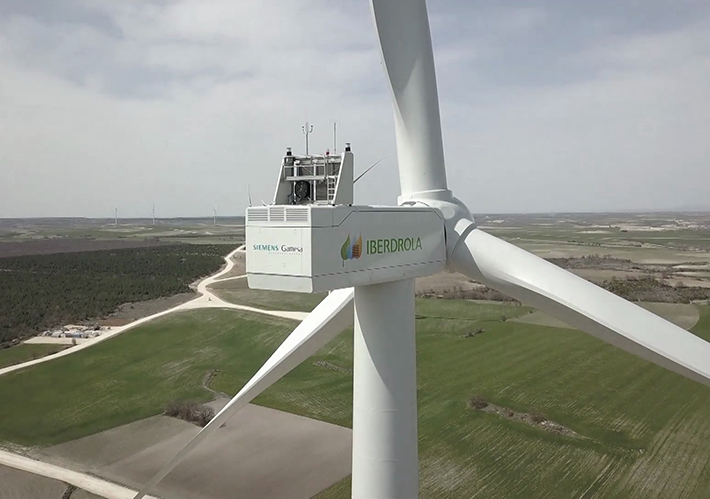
(315, 179)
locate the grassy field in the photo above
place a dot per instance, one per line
(23, 353)
(684, 315)
(645, 432)
(641, 237)
(133, 375)
(191, 230)
(237, 291)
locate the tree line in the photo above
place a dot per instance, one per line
(38, 292)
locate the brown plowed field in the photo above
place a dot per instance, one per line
(16, 484)
(61, 245)
(260, 452)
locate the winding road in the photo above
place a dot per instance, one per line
(98, 486)
(206, 299)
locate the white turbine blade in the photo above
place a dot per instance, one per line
(405, 41)
(330, 317)
(581, 304)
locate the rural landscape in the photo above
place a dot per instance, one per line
(512, 403)
(382, 249)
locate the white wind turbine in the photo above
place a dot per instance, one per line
(385, 461)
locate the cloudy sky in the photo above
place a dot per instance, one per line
(546, 105)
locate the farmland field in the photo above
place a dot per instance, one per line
(262, 440)
(640, 237)
(60, 235)
(18, 484)
(642, 432)
(22, 485)
(646, 430)
(237, 291)
(133, 375)
(680, 314)
(23, 353)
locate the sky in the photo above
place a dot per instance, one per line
(547, 106)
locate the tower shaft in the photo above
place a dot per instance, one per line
(385, 461)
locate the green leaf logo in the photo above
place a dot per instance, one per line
(344, 249)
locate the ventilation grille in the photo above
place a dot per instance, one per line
(293, 214)
(258, 215)
(297, 215)
(277, 214)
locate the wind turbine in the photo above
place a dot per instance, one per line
(385, 463)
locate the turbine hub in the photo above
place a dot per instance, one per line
(458, 221)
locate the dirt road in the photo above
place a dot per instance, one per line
(88, 483)
(207, 299)
(97, 486)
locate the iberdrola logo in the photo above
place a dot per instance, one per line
(351, 249)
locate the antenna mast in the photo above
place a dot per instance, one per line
(307, 128)
(335, 136)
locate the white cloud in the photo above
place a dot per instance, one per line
(187, 102)
(218, 117)
(632, 137)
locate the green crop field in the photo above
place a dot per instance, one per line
(133, 375)
(645, 430)
(237, 291)
(642, 432)
(196, 230)
(23, 353)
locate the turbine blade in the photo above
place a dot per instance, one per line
(405, 43)
(581, 304)
(249, 193)
(330, 317)
(370, 168)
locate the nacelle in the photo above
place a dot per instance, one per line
(319, 248)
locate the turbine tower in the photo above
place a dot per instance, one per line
(153, 212)
(115, 216)
(301, 248)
